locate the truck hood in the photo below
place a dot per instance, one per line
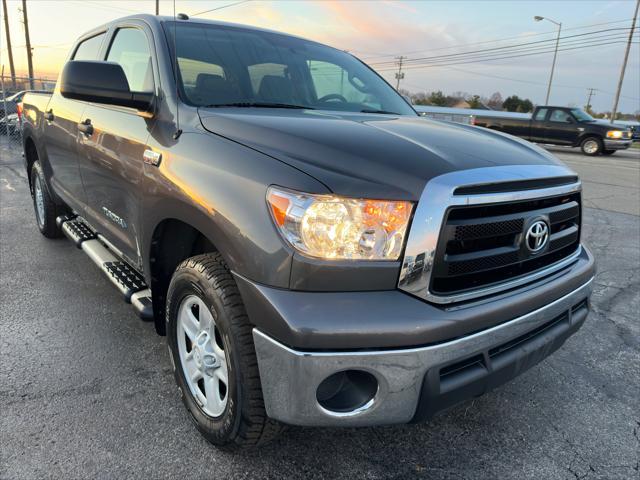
(609, 125)
(374, 155)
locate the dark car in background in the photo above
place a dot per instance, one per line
(565, 126)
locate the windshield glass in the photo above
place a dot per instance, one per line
(581, 115)
(223, 65)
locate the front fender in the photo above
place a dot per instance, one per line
(219, 188)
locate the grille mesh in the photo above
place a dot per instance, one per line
(485, 245)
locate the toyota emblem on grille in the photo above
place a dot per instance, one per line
(537, 236)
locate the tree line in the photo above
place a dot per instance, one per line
(495, 102)
(464, 100)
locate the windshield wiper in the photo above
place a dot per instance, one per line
(379, 111)
(259, 105)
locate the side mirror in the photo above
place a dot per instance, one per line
(101, 82)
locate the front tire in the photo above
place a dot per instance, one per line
(213, 356)
(591, 146)
(45, 209)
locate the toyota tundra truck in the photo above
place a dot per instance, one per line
(314, 251)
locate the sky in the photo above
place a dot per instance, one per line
(378, 31)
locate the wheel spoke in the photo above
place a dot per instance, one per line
(192, 370)
(206, 319)
(214, 403)
(221, 373)
(189, 323)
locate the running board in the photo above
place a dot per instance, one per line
(126, 279)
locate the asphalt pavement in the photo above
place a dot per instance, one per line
(86, 389)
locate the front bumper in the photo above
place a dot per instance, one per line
(617, 144)
(415, 383)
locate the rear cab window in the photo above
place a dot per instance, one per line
(541, 114)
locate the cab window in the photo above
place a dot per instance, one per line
(130, 49)
(560, 116)
(89, 48)
(541, 114)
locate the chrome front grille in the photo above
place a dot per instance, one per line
(467, 236)
(484, 245)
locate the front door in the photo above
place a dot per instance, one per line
(562, 128)
(112, 149)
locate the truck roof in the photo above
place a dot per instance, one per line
(159, 19)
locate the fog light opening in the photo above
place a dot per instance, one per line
(346, 391)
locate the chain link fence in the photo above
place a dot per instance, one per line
(12, 91)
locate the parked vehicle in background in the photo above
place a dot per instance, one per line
(565, 126)
(10, 124)
(634, 126)
(547, 125)
(13, 100)
(462, 115)
(315, 252)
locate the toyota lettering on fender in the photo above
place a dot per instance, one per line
(315, 252)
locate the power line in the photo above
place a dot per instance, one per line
(517, 37)
(519, 50)
(620, 30)
(218, 8)
(502, 57)
(519, 80)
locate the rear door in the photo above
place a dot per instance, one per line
(61, 133)
(562, 128)
(538, 125)
(111, 155)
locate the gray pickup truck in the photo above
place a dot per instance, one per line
(315, 252)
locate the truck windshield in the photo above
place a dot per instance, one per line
(220, 65)
(581, 115)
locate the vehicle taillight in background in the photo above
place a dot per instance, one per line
(19, 111)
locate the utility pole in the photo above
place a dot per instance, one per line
(400, 74)
(157, 7)
(28, 43)
(624, 64)
(10, 51)
(591, 94)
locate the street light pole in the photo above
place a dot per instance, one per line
(555, 53)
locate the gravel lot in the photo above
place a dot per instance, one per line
(86, 389)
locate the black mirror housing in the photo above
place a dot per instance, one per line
(101, 82)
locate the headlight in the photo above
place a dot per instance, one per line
(614, 134)
(332, 227)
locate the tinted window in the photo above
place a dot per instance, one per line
(541, 114)
(89, 49)
(130, 49)
(252, 66)
(560, 116)
(581, 115)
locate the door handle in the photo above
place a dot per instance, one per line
(86, 127)
(48, 115)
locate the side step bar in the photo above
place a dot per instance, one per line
(122, 275)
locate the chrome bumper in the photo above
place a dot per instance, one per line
(290, 378)
(617, 144)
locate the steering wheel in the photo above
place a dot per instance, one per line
(333, 96)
